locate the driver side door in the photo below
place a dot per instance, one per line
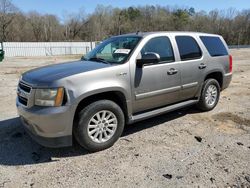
(157, 84)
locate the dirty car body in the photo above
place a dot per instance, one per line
(149, 74)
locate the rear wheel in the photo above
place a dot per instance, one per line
(210, 95)
(100, 125)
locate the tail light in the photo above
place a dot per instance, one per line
(230, 63)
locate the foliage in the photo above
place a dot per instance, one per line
(106, 21)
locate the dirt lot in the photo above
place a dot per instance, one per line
(160, 152)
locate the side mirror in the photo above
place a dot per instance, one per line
(148, 58)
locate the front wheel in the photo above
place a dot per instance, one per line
(210, 95)
(100, 125)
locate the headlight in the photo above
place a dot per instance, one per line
(49, 97)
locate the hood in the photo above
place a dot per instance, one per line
(51, 73)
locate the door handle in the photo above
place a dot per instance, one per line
(172, 71)
(202, 66)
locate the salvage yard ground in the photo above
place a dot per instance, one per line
(179, 149)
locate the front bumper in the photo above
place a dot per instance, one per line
(49, 126)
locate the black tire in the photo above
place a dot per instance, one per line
(202, 104)
(85, 115)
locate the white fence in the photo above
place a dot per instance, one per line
(238, 46)
(46, 48)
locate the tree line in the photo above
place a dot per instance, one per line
(106, 21)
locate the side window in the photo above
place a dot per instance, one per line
(188, 48)
(214, 46)
(161, 46)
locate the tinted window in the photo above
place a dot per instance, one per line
(214, 46)
(188, 48)
(161, 46)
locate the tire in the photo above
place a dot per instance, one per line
(210, 86)
(90, 125)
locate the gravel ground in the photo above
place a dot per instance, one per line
(184, 148)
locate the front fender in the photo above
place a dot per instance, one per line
(102, 90)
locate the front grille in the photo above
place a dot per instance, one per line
(24, 87)
(24, 92)
(23, 100)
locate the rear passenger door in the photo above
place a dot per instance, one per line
(192, 66)
(157, 84)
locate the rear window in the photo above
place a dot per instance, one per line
(214, 46)
(188, 48)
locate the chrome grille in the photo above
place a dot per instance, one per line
(24, 87)
(24, 93)
(23, 100)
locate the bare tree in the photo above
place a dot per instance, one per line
(36, 23)
(7, 15)
(52, 28)
(74, 24)
(105, 21)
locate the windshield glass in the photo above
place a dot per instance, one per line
(113, 50)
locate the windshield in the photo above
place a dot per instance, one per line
(113, 50)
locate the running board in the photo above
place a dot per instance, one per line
(163, 110)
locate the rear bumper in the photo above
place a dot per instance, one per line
(226, 80)
(49, 126)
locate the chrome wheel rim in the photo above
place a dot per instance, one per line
(102, 126)
(211, 95)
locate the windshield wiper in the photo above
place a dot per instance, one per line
(98, 60)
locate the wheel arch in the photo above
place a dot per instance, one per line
(217, 75)
(116, 96)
